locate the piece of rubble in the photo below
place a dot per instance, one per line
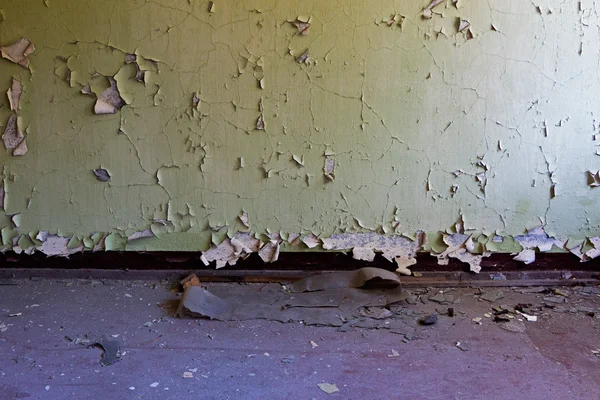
(394, 354)
(363, 277)
(462, 346)
(429, 320)
(199, 302)
(190, 280)
(111, 353)
(492, 296)
(328, 388)
(513, 326)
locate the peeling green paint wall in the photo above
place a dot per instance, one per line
(312, 117)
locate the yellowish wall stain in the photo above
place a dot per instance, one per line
(491, 121)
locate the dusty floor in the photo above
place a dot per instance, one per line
(260, 359)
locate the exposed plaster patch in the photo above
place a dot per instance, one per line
(396, 248)
(55, 245)
(536, 238)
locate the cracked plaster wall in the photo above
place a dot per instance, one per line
(181, 124)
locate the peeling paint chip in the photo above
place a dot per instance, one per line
(102, 175)
(211, 6)
(18, 52)
(141, 234)
(21, 149)
(329, 168)
(464, 24)
(302, 58)
(270, 251)
(311, 241)
(109, 101)
(260, 123)
(14, 94)
(594, 179)
(244, 218)
(12, 135)
(302, 25)
(427, 13)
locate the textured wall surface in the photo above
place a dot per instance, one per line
(250, 125)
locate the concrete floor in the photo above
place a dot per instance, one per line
(259, 359)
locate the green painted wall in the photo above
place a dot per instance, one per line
(246, 106)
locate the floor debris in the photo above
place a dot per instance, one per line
(111, 352)
(462, 346)
(328, 388)
(394, 354)
(492, 296)
(363, 277)
(197, 301)
(429, 320)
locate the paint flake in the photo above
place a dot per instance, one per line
(536, 238)
(594, 178)
(21, 149)
(428, 12)
(311, 241)
(14, 94)
(146, 233)
(244, 218)
(461, 247)
(18, 52)
(231, 250)
(109, 101)
(12, 135)
(302, 58)
(302, 26)
(270, 251)
(395, 248)
(329, 168)
(299, 160)
(102, 175)
(463, 24)
(260, 123)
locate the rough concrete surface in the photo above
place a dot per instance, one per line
(260, 359)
